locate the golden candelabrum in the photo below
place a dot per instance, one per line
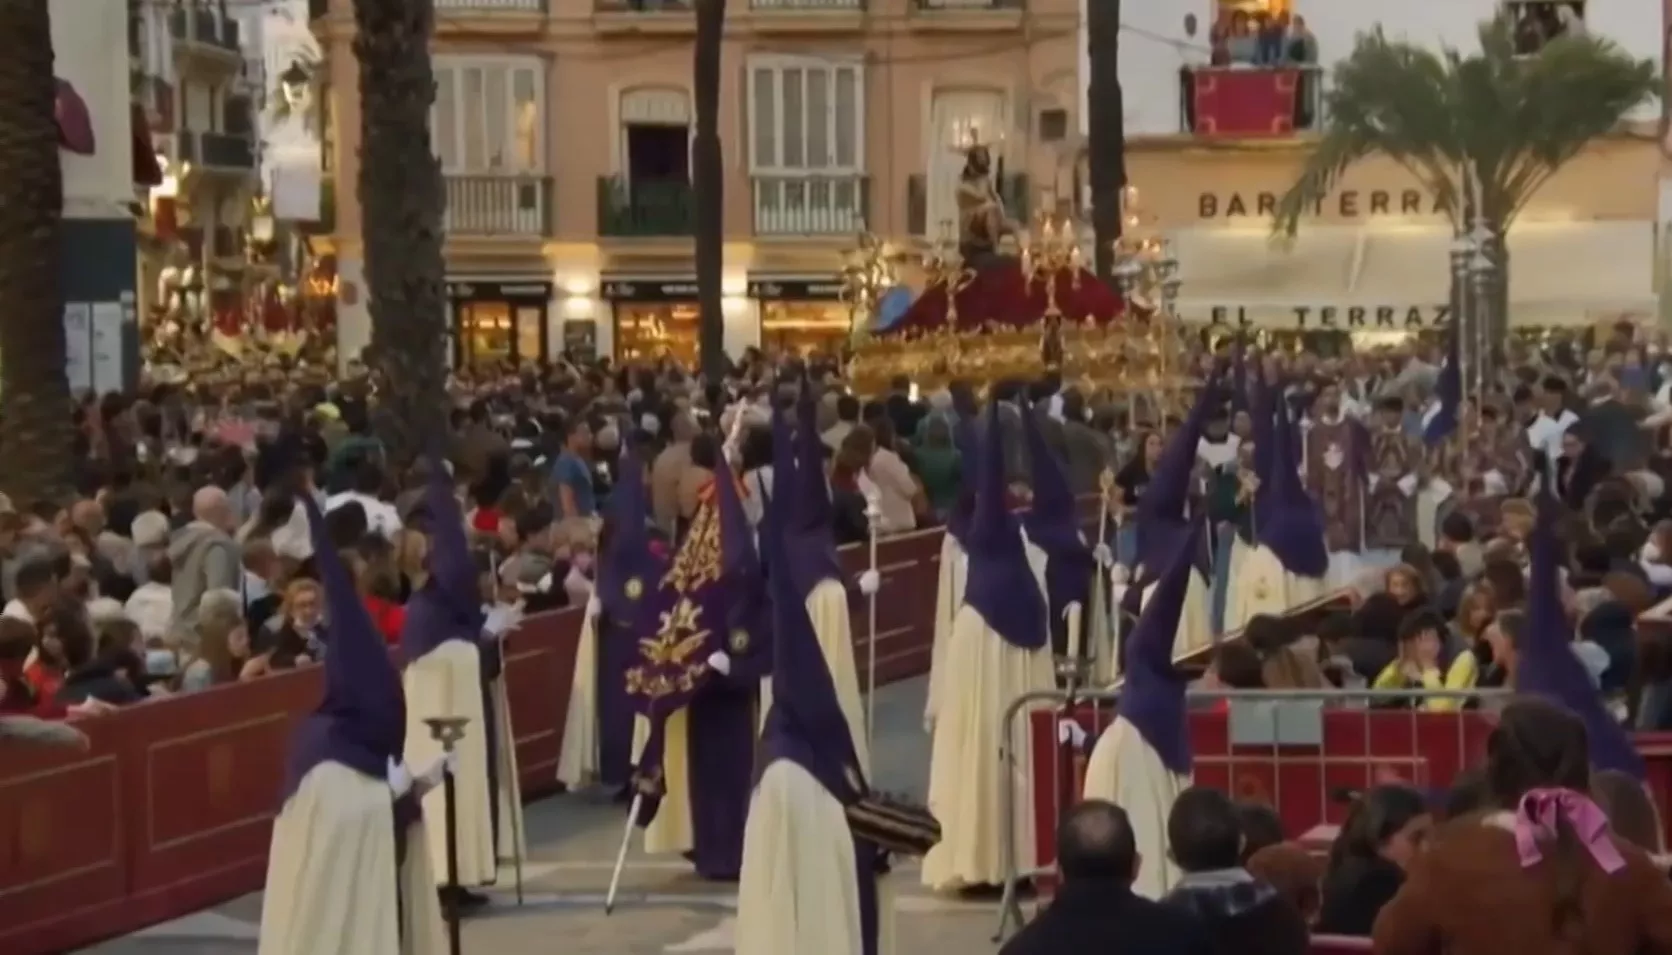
(943, 266)
(1147, 274)
(868, 271)
(1054, 251)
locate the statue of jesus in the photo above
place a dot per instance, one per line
(982, 222)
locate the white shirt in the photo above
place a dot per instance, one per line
(381, 516)
(1545, 433)
(17, 611)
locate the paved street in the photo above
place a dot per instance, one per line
(663, 909)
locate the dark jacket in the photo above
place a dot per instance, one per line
(1108, 919)
(1354, 892)
(1242, 915)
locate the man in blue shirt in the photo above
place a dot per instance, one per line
(572, 475)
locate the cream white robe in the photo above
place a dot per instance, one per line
(670, 833)
(331, 879)
(577, 763)
(1126, 771)
(447, 682)
(966, 768)
(798, 891)
(827, 608)
(1195, 633)
(1260, 585)
(949, 596)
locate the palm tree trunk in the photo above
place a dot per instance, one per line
(37, 434)
(708, 179)
(402, 202)
(1106, 132)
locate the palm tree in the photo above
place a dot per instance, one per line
(402, 202)
(708, 179)
(36, 430)
(1105, 131)
(1481, 132)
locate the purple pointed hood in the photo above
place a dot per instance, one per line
(1053, 523)
(801, 505)
(1546, 664)
(738, 555)
(1152, 699)
(1000, 584)
(361, 722)
(449, 604)
(1168, 491)
(805, 723)
(1288, 521)
(630, 569)
(812, 499)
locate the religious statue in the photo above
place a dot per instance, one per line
(982, 222)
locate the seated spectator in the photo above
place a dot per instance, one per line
(218, 650)
(1384, 831)
(34, 590)
(1095, 909)
(1243, 915)
(1234, 666)
(116, 672)
(1295, 872)
(1282, 665)
(1535, 874)
(1422, 664)
(298, 638)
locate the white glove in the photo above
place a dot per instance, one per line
(1103, 555)
(594, 606)
(1069, 731)
(870, 582)
(400, 778)
(1119, 575)
(502, 619)
(719, 663)
(432, 776)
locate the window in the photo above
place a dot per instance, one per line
(487, 115)
(807, 116)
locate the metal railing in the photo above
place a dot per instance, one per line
(1330, 742)
(445, 7)
(1309, 95)
(499, 205)
(644, 209)
(1014, 189)
(810, 204)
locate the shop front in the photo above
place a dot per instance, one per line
(800, 314)
(499, 320)
(1379, 284)
(653, 317)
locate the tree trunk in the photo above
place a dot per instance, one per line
(1106, 131)
(708, 180)
(402, 202)
(37, 434)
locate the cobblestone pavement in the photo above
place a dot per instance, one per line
(662, 909)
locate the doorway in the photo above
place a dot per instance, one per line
(658, 153)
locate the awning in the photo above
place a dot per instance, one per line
(1396, 277)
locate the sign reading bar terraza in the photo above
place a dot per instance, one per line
(1343, 317)
(1346, 204)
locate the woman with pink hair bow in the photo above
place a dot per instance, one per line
(1539, 871)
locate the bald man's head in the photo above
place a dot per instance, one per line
(210, 505)
(1095, 842)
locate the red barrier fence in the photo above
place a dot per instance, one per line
(170, 810)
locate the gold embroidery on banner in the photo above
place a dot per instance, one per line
(698, 561)
(738, 642)
(669, 666)
(634, 588)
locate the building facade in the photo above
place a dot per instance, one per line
(1212, 147)
(192, 85)
(564, 127)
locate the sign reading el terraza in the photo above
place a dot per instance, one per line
(649, 290)
(795, 290)
(1346, 204)
(497, 291)
(1331, 317)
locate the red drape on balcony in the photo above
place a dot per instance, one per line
(1245, 102)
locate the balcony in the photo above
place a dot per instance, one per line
(796, 17)
(644, 210)
(492, 17)
(965, 16)
(1250, 102)
(639, 17)
(468, 8)
(498, 206)
(201, 35)
(807, 205)
(1014, 191)
(814, 5)
(217, 152)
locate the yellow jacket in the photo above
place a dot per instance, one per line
(1461, 674)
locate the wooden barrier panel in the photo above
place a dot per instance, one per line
(171, 809)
